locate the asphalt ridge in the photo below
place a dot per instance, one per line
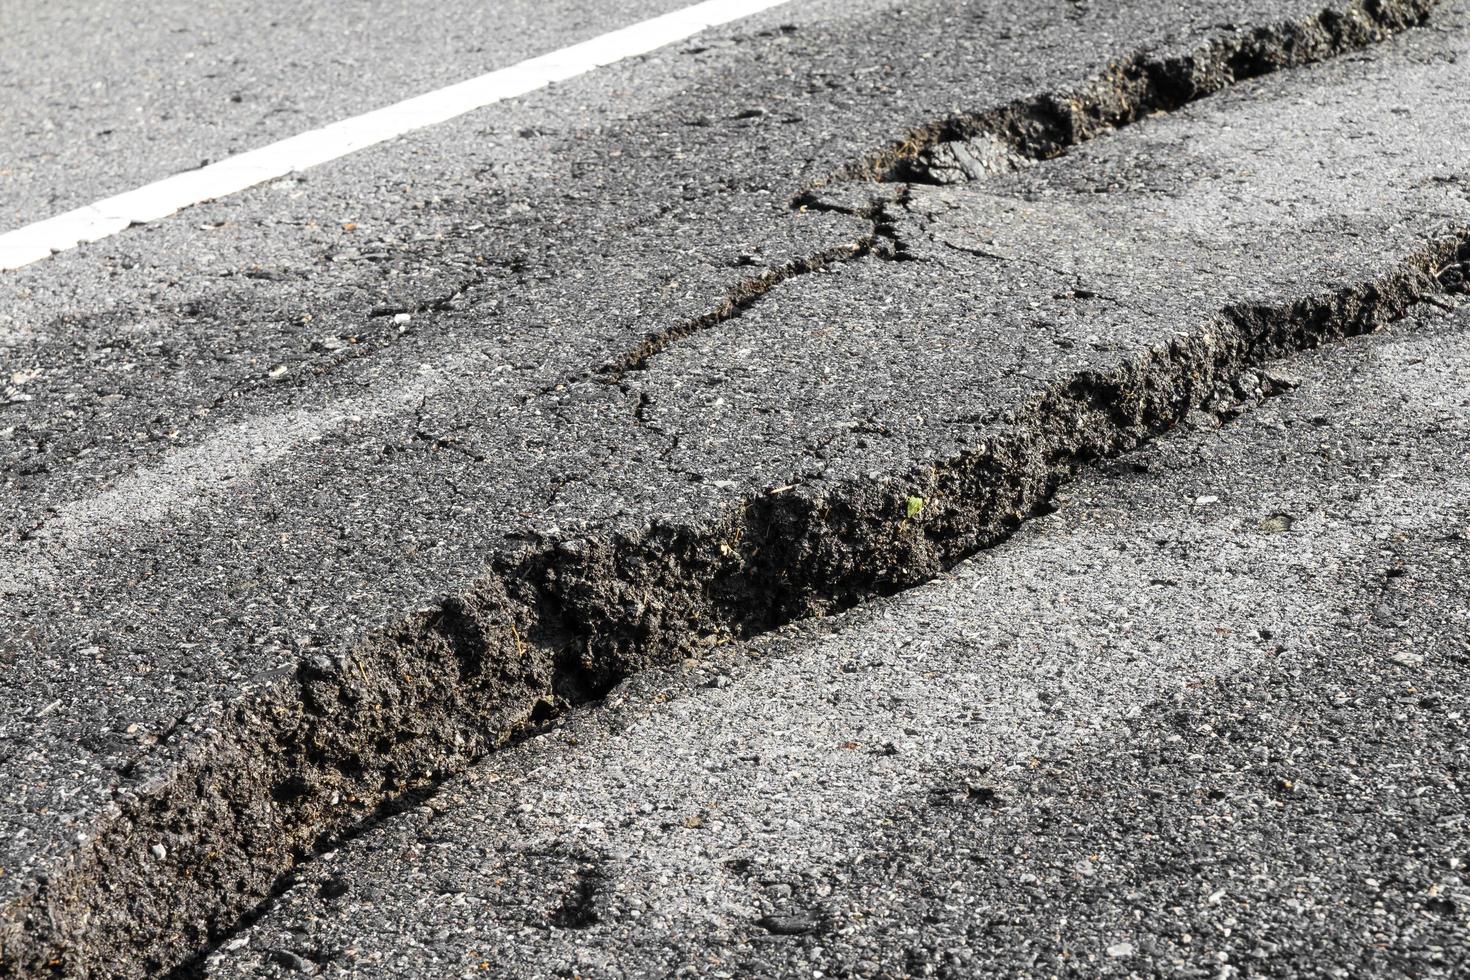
(1203, 719)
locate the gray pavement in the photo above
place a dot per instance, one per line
(103, 97)
(322, 492)
(1206, 719)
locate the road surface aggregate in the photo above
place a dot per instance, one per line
(783, 504)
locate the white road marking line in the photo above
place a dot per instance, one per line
(165, 197)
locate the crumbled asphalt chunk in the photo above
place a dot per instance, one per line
(742, 457)
(1244, 780)
(787, 925)
(292, 962)
(956, 162)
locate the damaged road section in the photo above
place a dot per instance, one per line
(205, 697)
(1235, 651)
(970, 147)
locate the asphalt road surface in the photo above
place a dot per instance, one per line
(868, 489)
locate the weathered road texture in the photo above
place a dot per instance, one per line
(283, 560)
(101, 98)
(1205, 719)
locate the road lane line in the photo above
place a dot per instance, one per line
(161, 198)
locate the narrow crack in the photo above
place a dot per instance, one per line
(739, 299)
(437, 304)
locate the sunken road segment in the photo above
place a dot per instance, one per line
(314, 750)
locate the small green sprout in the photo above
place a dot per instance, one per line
(915, 505)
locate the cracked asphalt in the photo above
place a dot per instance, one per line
(623, 440)
(1205, 718)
